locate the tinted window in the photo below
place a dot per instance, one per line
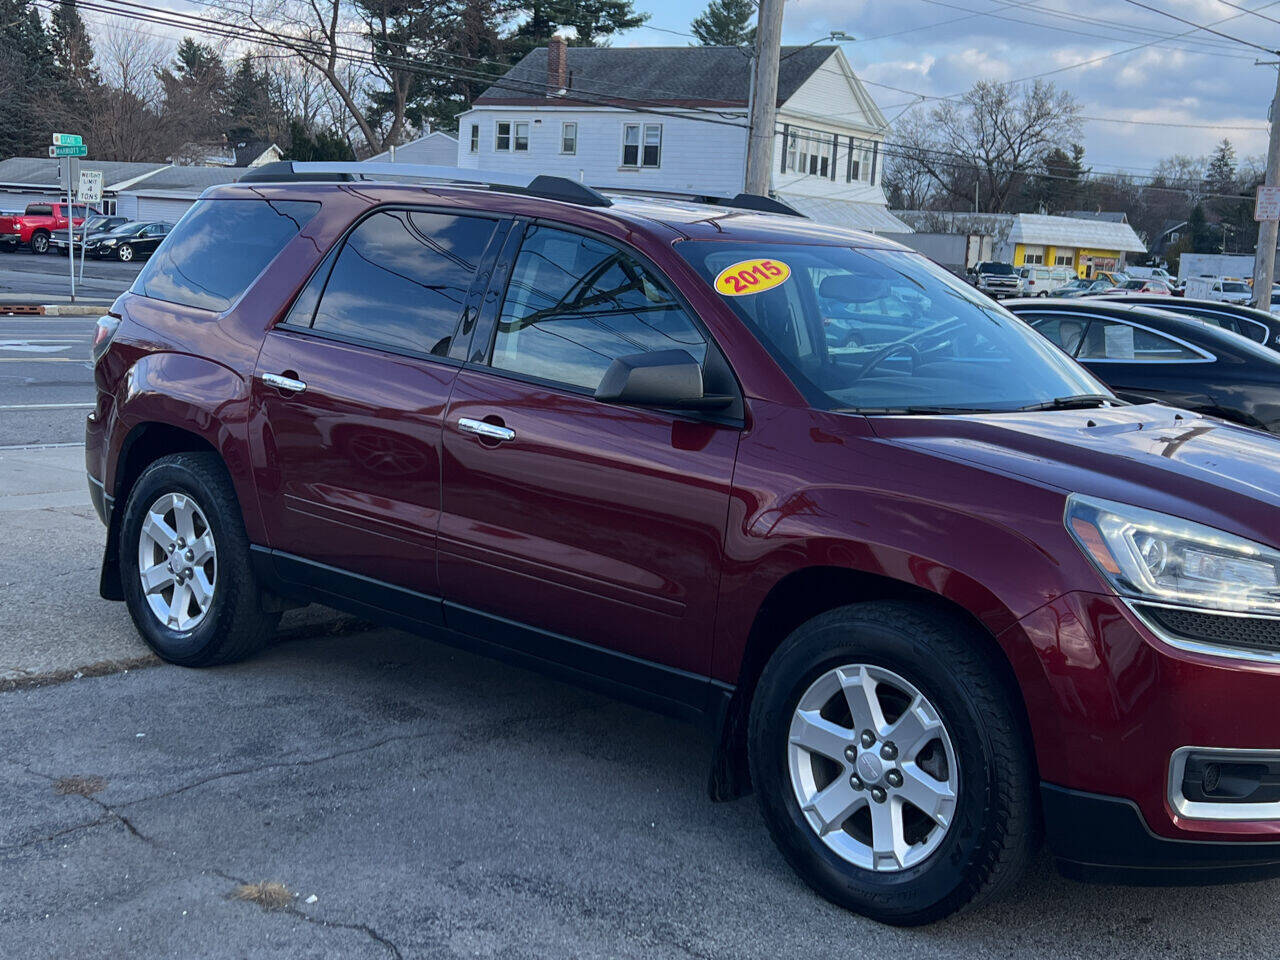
(401, 279)
(39, 210)
(575, 304)
(1111, 340)
(218, 248)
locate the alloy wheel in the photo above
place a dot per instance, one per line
(125, 253)
(872, 767)
(177, 561)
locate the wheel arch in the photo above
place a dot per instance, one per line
(798, 597)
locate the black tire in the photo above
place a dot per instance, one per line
(39, 242)
(235, 625)
(994, 831)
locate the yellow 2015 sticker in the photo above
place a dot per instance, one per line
(751, 276)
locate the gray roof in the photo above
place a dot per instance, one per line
(671, 76)
(1109, 216)
(189, 179)
(43, 172)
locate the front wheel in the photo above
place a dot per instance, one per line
(184, 562)
(39, 243)
(893, 773)
(124, 252)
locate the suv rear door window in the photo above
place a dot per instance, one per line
(401, 279)
(575, 304)
(219, 248)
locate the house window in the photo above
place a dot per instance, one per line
(475, 138)
(1064, 260)
(642, 145)
(511, 135)
(1033, 256)
(810, 152)
(568, 138)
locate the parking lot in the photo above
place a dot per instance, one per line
(415, 801)
(42, 276)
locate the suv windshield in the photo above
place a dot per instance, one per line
(885, 331)
(1236, 286)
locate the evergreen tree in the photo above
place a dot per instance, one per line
(1058, 187)
(27, 80)
(1220, 174)
(594, 22)
(726, 23)
(249, 106)
(320, 145)
(195, 98)
(1202, 238)
(71, 47)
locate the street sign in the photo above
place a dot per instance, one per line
(1267, 206)
(90, 189)
(68, 140)
(73, 151)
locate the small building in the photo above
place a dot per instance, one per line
(437, 148)
(25, 180)
(1084, 244)
(244, 154)
(168, 192)
(577, 112)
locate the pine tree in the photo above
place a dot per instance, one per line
(594, 22)
(249, 107)
(1220, 174)
(726, 23)
(195, 94)
(1202, 239)
(72, 49)
(26, 79)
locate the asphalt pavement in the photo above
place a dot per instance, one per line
(23, 272)
(409, 799)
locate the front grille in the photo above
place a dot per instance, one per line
(1250, 633)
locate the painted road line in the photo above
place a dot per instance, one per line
(47, 406)
(42, 446)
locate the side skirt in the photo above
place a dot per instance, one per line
(654, 686)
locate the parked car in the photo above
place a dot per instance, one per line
(1080, 287)
(1040, 281)
(38, 223)
(933, 591)
(1258, 325)
(1156, 287)
(1113, 277)
(1144, 354)
(8, 233)
(94, 228)
(1224, 289)
(133, 240)
(996, 280)
(1151, 273)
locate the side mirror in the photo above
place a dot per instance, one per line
(663, 378)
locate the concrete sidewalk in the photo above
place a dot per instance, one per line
(53, 624)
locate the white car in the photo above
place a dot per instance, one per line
(1034, 281)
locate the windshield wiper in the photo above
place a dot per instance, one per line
(912, 411)
(1078, 401)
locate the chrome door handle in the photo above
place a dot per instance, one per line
(490, 431)
(283, 383)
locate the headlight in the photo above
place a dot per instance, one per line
(1152, 556)
(108, 243)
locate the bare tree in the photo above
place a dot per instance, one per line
(128, 122)
(992, 137)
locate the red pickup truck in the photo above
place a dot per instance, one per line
(37, 223)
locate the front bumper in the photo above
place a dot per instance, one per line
(1110, 705)
(1105, 839)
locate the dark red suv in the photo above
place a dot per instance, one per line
(935, 589)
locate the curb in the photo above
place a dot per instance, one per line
(53, 309)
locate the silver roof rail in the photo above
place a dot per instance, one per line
(536, 185)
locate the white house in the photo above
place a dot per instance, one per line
(674, 120)
(436, 148)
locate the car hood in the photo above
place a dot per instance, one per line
(1149, 455)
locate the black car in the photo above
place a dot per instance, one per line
(1146, 354)
(1258, 325)
(95, 228)
(130, 241)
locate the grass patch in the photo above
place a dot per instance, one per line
(79, 786)
(269, 895)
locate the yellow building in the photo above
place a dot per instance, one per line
(1085, 245)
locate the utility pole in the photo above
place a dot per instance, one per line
(764, 98)
(1264, 260)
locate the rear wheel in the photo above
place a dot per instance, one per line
(184, 563)
(892, 771)
(39, 242)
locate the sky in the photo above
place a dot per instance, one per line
(1208, 84)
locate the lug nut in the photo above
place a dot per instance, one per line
(850, 753)
(878, 794)
(182, 542)
(856, 782)
(190, 554)
(187, 573)
(889, 751)
(893, 778)
(868, 738)
(171, 548)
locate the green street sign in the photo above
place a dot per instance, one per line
(78, 150)
(67, 140)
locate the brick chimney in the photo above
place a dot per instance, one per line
(557, 65)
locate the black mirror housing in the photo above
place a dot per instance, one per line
(663, 378)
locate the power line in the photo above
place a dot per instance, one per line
(1198, 26)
